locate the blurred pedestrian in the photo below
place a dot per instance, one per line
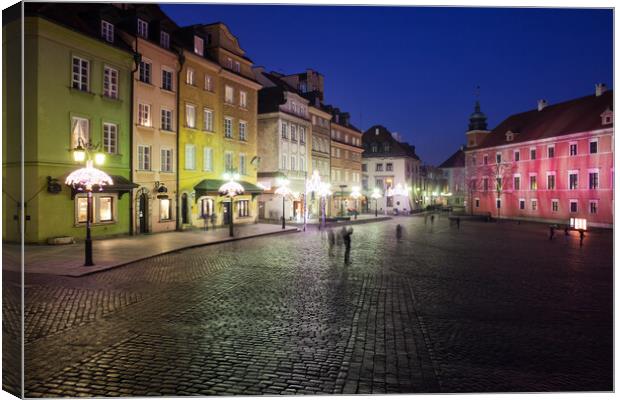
(458, 223)
(582, 235)
(551, 232)
(331, 241)
(347, 243)
(432, 219)
(399, 231)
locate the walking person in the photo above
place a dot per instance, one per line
(399, 231)
(432, 219)
(347, 243)
(331, 241)
(581, 236)
(458, 223)
(551, 232)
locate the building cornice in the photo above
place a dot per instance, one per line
(240, 79)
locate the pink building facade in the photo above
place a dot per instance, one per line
(550, 164)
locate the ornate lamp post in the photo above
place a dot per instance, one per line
(284, 191)
(376, 194)
(88, 179)
(231, 189)
(355, 193)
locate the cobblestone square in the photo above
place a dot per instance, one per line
(489, 307)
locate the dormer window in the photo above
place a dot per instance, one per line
(229, 63)
(107, 31)
(607, 117)
(164, 39)
(510, 136)
(237, 66)
(199, 45)
(143, 29)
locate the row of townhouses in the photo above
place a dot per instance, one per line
(553, 163)
(174, 109)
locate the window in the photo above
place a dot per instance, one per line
(229, 94)
(105, 209)
(498, 158)
(166, 80)
(572, 149)
(593, 146)
(593, 206)
(189, 76)
(389, 167)
(208, 159)
(302, 134)
(374, 147)
(143, 28)
(243, 208)
(164, 39)
(498, 203)
(242, 130)
(284, 130)
(166, 160)
(293, 163)
(302, 163)
(534, 203)
(573, 180)
(498, 184)
(144, 73)
(242, 165)
(229, 63)
(293, 132)
(166, 120)
(573, 206)
(237, 66)
(107, 31)
(207, 207)
(550, 180)
(228, 127)
(228, 161)
(144, 157)
(144, 114)
(80, 131)
(82, 209)
(190, 115)
(517, 155)
(532, 154)
(243, 99)
(485, 159)
(283, 164)
(190, 157)
(209, 83)
(199, 45)
(550, 151)
(80, 73)
(521, 204)
(110, 82)
(517, 183)
(485, 184)
(165, 207)
(555, 205)
(593, 180)
(533, 184)
(379, 167)
(477, 201)
(364, 167)
(110, 138)
(208, 120)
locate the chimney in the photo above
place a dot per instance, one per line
(600, 89)
(542, 103)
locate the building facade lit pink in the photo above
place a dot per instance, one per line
(549, 164)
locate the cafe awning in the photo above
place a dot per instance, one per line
(212, 186)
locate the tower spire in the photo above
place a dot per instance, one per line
(477, 120)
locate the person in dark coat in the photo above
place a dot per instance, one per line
(346, 237)
(399, 231)
(458, 223)
(551, 232)
(582, 235)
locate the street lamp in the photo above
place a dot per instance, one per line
(284, 191)
(355, 193)
(85, 179)
(231, 189)
(376, 194)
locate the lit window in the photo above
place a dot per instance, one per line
(229, 95)
(144, 157)
(110, 138)
(164, 40)
(107, 31)
(190, 116)
(208, 159)
(189, 76)
(207, 207)
(199, 45)
(228, 127)
(143, 29)
(551, 181)
(79, 131)
(190, 157)
(243, 99)
(80, 74)
(166, 160)
(144, 114)
(105, 209)
(110, 82)
(165, 207)
(82, 209)
(209, 83)
(243, 207)
(237, 66)
(208, 120)
(533, 184)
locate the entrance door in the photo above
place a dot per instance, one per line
(261, 210)
(226, 209)
(184, 209)
(142, 213)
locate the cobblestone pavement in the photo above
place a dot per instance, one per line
(489, 307)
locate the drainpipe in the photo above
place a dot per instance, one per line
(178, 194)
(137, 57)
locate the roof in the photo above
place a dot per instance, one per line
(456, 160)
(573, 116)
(380, 134)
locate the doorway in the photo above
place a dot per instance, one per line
(184, 209)
(226, 212)
(143, 213)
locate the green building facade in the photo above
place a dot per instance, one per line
(76, 84)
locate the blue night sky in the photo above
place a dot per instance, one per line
(415, 69)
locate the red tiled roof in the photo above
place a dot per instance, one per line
(578, 115)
